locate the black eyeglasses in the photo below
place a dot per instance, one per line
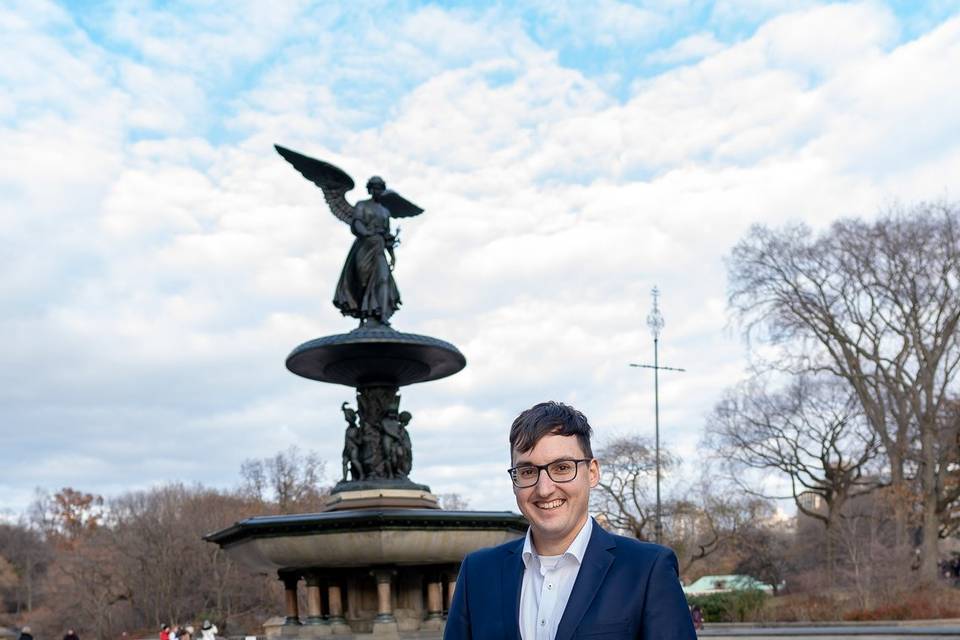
(527, 475)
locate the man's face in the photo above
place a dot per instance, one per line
(556, 511)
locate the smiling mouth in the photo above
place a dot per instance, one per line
(549, 506)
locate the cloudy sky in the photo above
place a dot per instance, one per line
(160, 260)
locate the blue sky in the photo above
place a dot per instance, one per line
(162, 260)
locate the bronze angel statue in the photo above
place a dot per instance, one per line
(366, 289)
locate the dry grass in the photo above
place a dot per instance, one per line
(926, 604)
(915, 604)
(802, 607)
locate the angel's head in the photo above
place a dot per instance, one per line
(376, 186)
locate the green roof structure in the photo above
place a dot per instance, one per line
(722, 584)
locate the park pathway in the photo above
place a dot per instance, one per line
(913, 630)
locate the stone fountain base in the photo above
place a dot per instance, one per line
(379, 571)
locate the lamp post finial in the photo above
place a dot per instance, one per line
(655, 319)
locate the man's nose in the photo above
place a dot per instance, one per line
(545, 485)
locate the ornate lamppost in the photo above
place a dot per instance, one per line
(656, 324)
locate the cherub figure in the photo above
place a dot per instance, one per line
(404, 454)
(351, 445)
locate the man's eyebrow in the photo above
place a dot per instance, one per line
(522, 462)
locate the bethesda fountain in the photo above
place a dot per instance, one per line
(383, 556)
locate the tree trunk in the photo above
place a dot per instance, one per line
(828, 532)
(29, 577)
(929, 542)
(898, 488)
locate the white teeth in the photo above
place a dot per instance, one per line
(553, 504)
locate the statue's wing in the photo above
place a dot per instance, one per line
(332, 180)
(398, 206)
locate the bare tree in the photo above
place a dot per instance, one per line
(623, 496)
(83, 583)
(79, 581)
(709, 520)
(869, 565)
(9, 581)
(289, 478)
(30, 556)
(171, 573)
(146, 563)
(812, 433)
(141, 560)
(949, 457)
(453, 502)
(698, 521)
(253, 472)
(67, 515)
(766, 554)
(875, 304)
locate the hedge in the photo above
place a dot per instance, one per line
(730, 606)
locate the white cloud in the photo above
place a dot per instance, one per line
(686, 49)
(211, 41)
(606, 22)
(156, 282)
(163, 102)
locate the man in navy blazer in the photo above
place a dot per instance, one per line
(568, 578)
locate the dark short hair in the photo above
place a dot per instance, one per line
(549, 418)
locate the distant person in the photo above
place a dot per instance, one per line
(208, 631)
(25, 634)
(175, 632)
(165, 632)
(568, 577)
(71, 635)
(696, 613)
(187, 633)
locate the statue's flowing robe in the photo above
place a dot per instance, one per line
(366, 272)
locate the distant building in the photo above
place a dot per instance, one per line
(686, 525)
(811, 501)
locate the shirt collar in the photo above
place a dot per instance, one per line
(577, 548)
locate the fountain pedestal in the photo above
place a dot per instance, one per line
(377, 361)
(381, 499)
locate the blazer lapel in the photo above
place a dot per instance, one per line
(596, 562)
(511, 575)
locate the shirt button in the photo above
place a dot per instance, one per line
(549, 586)
(543, 622)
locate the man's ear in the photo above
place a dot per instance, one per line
(594, 472)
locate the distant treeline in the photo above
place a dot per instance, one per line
(138, 560)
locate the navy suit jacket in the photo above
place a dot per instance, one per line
(625, 589)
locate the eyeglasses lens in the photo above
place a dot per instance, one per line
(559, 471)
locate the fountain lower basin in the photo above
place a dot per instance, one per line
(365, 537)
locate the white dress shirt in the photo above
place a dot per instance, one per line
(547, 583)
